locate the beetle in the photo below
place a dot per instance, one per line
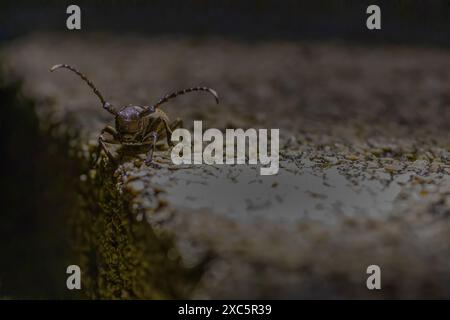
(137, 126)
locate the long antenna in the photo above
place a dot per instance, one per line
(167, 97)
(90, 84)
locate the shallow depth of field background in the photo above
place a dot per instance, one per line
(33, 241)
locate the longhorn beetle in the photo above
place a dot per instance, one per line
(137, 126)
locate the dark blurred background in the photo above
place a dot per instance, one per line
(30, 263)
(403, 21)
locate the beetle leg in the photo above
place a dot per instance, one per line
(150, 135)
(112, 131)
(102, 140)
(149, 159)
(178, 123)
(170, 127)
(161, 130)
(168, 132)
(102, 146)
(162, 116)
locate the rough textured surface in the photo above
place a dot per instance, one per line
(364, 175)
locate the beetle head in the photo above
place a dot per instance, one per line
(129, 122)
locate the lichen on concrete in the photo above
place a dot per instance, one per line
(124, 258)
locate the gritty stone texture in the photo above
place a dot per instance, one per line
(364, 175)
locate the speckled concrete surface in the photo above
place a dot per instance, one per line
(364, 173)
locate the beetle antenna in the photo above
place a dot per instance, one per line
(167, 97)
(105, 104)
